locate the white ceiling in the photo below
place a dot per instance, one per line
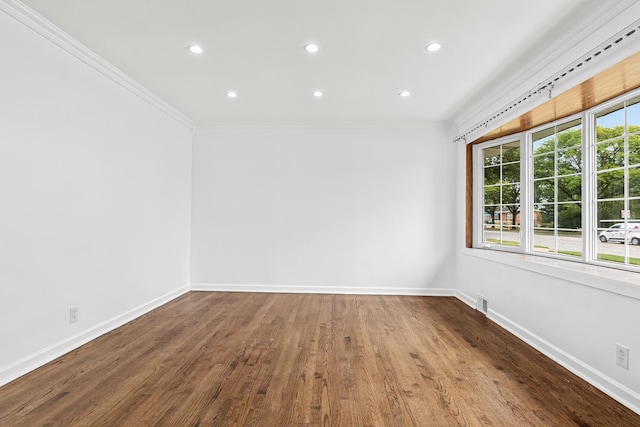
(370, 50)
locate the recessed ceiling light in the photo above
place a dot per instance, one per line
(194, 48)
(432, 47)
(311, 47)
(317, 93)
(404, 93)
(232, 94)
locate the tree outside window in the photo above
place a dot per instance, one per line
(557, 188)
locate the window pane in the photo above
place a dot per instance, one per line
(492, 175)
(633, 116)
(543, 191)
(501, 193)
(570, 161)
(610, 184)
(511, 236)
(610, 154)
(634, 150)
(491, 234)
(570, 243)
(610, 123)
(491, 214)
(509, 216)
(544, 241)
(537, 218)
(505, 235)
(634, 182)
(511, 172)
(570, 216)
(634, 209)
(609, 250)
(491, 156)
(511, 152)
(492, 195)
(570, 188)
(609, 213)
(547, 215)
(613, 244)
(511, 194)
(544, 141)
(570, 134)
(543, 166)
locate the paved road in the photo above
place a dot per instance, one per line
(569, 243)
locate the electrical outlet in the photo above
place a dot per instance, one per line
(73, 314)
(622, 356)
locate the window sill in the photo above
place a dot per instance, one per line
(621, 282)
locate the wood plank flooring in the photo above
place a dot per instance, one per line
(242, 359)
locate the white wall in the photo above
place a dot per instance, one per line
(333, 208)
(94, 190)
(575, 314)
(94, 201)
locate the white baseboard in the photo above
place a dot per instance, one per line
(46, 355)
(323, 289)
(609, 386)
(619, 392)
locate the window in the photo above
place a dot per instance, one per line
(557, 189)
(617, 182)
(501, 193)
(569, 189)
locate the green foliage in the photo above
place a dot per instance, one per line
(557, 170)
(609, 154)
(571, 253)
(558, 158)
(634, 147)
(504, 242)
(570, 216)
(569, 152)
(610, 162)
(502, 179)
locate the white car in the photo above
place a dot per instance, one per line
(619, 233)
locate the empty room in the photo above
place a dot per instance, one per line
(340, 213)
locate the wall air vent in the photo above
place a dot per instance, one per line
(482, 304)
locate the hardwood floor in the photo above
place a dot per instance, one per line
(217, 359)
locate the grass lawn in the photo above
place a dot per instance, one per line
(504, 242)
(601, 257)
(618, 258)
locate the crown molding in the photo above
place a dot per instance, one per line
(435, 125)
(310, 289)
(27, 16)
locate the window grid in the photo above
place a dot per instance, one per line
(616, 162)
(501, 193)
(567, 165)
(557, 189)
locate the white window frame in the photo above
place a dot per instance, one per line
(529, 195)
(589, 226)
(478, 193)
(590, 116)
